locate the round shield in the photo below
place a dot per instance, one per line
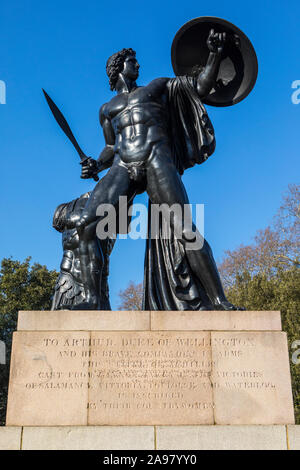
(238, 67)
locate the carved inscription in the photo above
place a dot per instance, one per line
(251, 378)
(149, 377)
(121, 377)
(152, 377)
(232, 352)
(46, 385)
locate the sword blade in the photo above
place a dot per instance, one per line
(61, 121)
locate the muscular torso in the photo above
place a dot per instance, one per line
(70, 240)
(139, 120)
(71, 261)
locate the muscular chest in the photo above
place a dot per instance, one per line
(135, 104)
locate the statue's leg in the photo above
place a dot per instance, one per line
(115, 183)
(164, 185)
(91, 265)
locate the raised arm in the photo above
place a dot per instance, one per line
(207, 78)
(92, 167)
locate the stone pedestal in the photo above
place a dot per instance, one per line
(149, 369)
(150, 438)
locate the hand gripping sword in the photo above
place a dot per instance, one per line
(61, 121)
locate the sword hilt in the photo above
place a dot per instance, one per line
(95, 177)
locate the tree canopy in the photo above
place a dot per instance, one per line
(275, 248)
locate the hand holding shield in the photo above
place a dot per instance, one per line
(215, 41)
(238, 68)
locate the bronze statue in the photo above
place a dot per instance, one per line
(153, 134)
(69, 289)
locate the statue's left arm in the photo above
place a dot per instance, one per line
(207, 78)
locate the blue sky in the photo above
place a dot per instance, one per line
(62, 46)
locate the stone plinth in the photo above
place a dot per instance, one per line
(90, 320)
(93, 320)
(222, 437)
(150, 438)
(88, 438)
(10, 438)
(293, 435)
(119, 368)
(216, 321)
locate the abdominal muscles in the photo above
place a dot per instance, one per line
(137, 141)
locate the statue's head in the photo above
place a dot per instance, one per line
(63, 211)
(123, 62)
(59, 218)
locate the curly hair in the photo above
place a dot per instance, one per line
(59, 218)
(63, 211)
(115, 64)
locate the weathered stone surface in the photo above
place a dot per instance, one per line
(88, 438)
(221, 437)
(294, 437)
(48, 379)
(216, 321)
(251, 378)
(111, 378)
(67, 320)
(150, 378)
(72, 320)
(10, 438)
(142, 437)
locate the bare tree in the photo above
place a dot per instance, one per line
(131, 297)
(275, 247)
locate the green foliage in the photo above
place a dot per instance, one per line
(22, 287)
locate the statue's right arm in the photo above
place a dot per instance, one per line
(92, 167)
(106, 157)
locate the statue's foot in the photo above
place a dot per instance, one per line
(205, 307)
(86, 305)
(65, 307)
(225, 305)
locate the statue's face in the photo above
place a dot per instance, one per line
(131, 68)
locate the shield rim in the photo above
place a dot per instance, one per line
(219, 21)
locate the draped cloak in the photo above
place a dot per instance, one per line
(169, 282)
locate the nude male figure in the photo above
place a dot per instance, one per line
(138, 151)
